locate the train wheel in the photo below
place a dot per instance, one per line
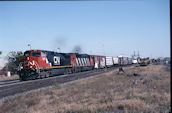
(65, 71)
(42, 75)
(34, 77)
(22, 79)
(47, 75)
(74, 70)
(70, 71)
(79, 69)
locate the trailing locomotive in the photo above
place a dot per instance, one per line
(41, 63)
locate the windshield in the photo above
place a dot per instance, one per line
(26, 54)
(36, 54)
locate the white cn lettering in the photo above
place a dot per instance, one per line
(32, 63)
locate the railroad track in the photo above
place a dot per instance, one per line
(13, 88)
(2, 83)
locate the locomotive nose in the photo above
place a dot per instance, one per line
(27, 58)
(26, 62)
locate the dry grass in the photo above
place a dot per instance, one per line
(148, 92)
(4, 78)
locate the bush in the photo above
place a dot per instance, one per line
(14, 59)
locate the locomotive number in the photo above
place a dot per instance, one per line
(56, 60)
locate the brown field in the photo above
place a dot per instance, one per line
(5, 78)
(148, 91)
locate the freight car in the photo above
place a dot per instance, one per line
(144, 61)
(124, 60)
(99, 62)
(109, 61)
(115, 61)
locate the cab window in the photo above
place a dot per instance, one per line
(27, 54)
(36, 54)
(43, 54)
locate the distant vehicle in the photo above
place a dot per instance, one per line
(144, 61)
(134, 61)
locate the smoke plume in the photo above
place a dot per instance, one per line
(59, 44)
(77, 49)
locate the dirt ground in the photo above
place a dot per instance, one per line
(5, 78)
(139, 89)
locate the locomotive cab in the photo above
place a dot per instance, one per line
(30, 59)
(34, 59)
(32, 63)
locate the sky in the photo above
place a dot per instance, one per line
(108, 28)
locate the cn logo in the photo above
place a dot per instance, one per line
(56, 60)
(32, 63)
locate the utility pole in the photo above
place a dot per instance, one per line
(138, 54)
(76, 51)
(29, 45)
(59, 49)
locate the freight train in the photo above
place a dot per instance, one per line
(42, 63)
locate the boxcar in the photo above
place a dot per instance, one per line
(99, 62)
(109, 61)
(115, 61)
